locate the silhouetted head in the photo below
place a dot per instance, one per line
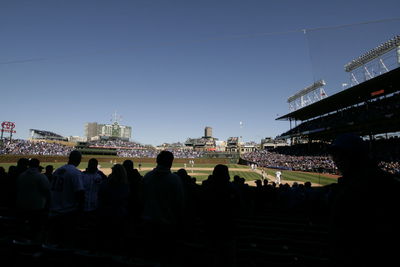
(349, 152)
(22, 164)
(118, 175)
(2, 171)
(221, 173)
(92, 165)
(34, 163)
(75, 158)
(165, 159)
(182, 173)
(49, 169)
(128, 164)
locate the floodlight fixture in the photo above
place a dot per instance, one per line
(307, 96)
(306, 90)
(373, 54)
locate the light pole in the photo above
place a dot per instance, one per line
(240, 137)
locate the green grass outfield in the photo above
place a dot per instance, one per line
(301, 177)
(317, 178)
(201, 175)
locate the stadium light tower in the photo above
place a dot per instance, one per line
(307, 96)
(375, 62)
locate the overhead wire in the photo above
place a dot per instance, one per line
(219, 38)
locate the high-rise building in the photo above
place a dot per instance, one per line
(208, 132)
(91, 130)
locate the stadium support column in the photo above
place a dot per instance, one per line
(291, 137)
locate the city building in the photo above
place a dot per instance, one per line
(232, 144)
(96, 131)
(205, 143)
(208, 132)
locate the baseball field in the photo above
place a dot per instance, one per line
(201, 169)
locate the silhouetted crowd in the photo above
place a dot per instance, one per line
(160, 208)
(152, 216)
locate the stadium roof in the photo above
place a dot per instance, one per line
(46, 133)
(381, 85)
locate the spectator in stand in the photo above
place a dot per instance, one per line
(113, 208)
(67, 200)
(92, 177)
(13, 173)
(135, 181)
(191, 193)
(33, 199)
(365, 221)
(222, 204)
(4, 188)
(49, 172)
(163, 207)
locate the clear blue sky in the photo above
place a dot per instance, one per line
(170, 68)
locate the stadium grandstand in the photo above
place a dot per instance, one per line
(369, 108)
(45, 135)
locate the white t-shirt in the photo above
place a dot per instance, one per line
(67, 180)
